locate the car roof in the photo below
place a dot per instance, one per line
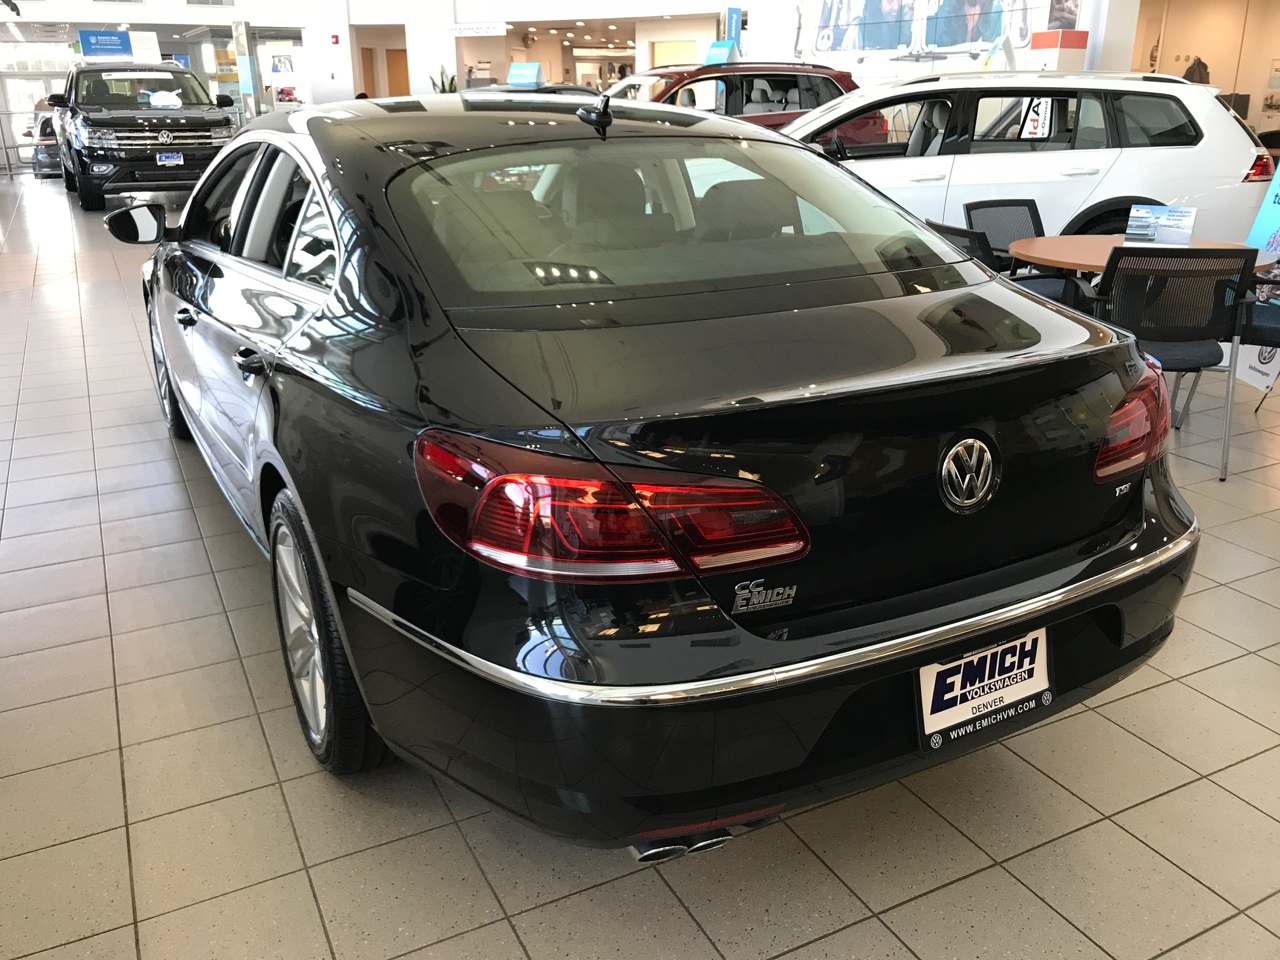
(100, 67)
(419, 128)
(1090, 80)
(739, 67)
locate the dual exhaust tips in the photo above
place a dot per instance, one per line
(673, 848)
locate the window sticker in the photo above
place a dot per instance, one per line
(1035, 125)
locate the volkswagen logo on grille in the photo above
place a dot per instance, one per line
(165, 136)
(968, 476)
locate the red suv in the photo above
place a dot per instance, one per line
(770, 94)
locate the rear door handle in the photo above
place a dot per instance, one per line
(186, 317)
(250, 362)
(933, 179)
(1080, 172)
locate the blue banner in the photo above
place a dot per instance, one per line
(105, 43)
(182, 60)
(733, 28)
(1265, 235)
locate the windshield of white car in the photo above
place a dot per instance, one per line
(586, 220)
(126, 89)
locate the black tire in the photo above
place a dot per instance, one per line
(173, 416)
(91, 197)
(68, 180)
(347, 742)
(1114, 223)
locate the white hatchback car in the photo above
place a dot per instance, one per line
(1084, 147)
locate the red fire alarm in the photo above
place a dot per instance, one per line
(335, 39)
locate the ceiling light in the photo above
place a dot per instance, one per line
(566, 43)
(611, 46)
(613, 26)
(587, 37)
(667, 17)
(533, 29)
(568, 34)
(631, 43)
(124, 26)
(509, 26)
(553, 30)
(579, 23)
(177, 36)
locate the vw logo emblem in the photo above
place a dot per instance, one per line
(1046, 698)
(164, 136)
(935, 741)
(968, 476)
(1266, 355)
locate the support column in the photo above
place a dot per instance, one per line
(429, 39)
(1113, 30)
(326, 39)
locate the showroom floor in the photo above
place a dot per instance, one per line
(156, 798)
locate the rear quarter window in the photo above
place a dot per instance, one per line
(1153, 121)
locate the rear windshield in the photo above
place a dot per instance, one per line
(140, 90)
(587, 220)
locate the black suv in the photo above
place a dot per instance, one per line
(132, 127)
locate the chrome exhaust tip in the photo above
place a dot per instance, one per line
(659, 851)
(710, 840)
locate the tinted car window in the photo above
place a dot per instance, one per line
(1151, 121)
(627, 218)
(911, 128)
(281, 192)
(212, 213)
(1026, 123)
(821, 89)
(314, 257)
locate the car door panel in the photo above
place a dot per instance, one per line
(1060, 164)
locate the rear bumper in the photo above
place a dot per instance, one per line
(603, 765)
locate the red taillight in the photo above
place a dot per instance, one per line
(1264, 168)
(1138, 432)
(556, 518)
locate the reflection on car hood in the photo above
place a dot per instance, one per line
(613, 372)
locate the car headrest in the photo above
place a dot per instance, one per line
(793, 96)
(941, 113)
(604, 191)
(758, 96)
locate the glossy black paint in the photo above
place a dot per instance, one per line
(838, 394)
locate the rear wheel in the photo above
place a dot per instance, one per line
(334, 719)
(173, 417)
(1111, 223)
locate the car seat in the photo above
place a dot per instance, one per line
(926, 135)
(605, 205)
(746, 210)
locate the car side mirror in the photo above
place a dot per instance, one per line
(224, 100)
(57, 100)
(835, 149)
(28, 134)
(144, 223)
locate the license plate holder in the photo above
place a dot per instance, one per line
(169, 159)
(984, 688)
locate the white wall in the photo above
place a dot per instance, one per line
(1112, 26)
(703, 30)
(329, 64)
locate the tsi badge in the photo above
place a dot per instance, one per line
(753, 595)
(984, 688)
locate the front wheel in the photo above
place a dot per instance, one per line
(173, 416)
(334, 719)
(91, 195)
(68, 180)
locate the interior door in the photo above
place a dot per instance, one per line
(1048, 145)
(397, 73)
(902, 146)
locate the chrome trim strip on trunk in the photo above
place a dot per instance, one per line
(774, 677)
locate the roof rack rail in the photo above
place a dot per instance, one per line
(1162, 78)
(909, 83)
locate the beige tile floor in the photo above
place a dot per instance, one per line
(156, 800)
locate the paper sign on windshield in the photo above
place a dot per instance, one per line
(1035, 125)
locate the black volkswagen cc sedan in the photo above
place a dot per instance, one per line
(645, 471)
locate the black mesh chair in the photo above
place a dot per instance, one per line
(1004, 221)
(1179, 303)
(976, 245)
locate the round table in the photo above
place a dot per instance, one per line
(1089, 253)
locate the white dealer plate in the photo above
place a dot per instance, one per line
(981, 686)
(169, 159)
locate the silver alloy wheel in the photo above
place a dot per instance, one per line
(301, 634)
